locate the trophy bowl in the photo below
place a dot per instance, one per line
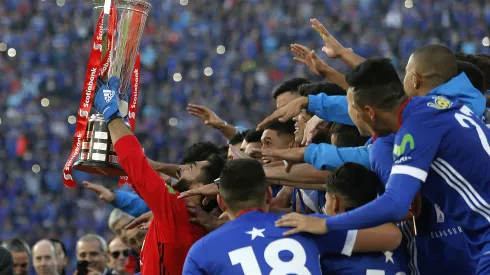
(97, 154)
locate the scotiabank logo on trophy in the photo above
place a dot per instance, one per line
(88, 91)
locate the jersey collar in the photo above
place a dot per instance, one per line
(400, 112)
(248, 210)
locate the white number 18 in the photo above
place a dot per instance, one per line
(245, 256)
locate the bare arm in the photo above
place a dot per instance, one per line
(302, 173)
(166, 168)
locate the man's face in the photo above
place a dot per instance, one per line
(188, 174)
(21, 263)
(133, 238)
(252, 154)
(118, 252)
(91, 251)
(300, 125)
(44, 259)
(355, 113)
(285, 98)
(60, 257)
(272, 140)
(408, 81)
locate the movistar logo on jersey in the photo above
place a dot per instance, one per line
(399, 150)
(440, 103)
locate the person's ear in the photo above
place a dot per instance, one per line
(268, 195)
(416, 80)
(221, 203)
(370, 112)
(336, 204)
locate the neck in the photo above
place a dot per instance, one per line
(235, 214)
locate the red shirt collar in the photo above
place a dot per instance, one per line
(248, 210)
(400, 112)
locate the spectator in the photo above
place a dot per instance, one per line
(93, 249)
(44, 258)
(6, 262)
(118, 253)
(21, 254)
(61, 257)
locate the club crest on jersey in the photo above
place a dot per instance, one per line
(399, 150)
(440, 103)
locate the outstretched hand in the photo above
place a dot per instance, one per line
(209, 117)
(311, 130)
(210, 191)
(332, 47)
(142, 221)
(302, 223)
(103, 193)
(201, 217)
(285, 113)
(290, 156)
(308, 57)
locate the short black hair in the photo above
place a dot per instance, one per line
(199, 151)
(347, 135)
(290, 85)
(237, 139)
(375, 82)
(212, 171)
(481, 61)
(437, 62)
(17, 245)
(474, 74)
(322, 87)
(63, 248)
(254, 136)
(356, 183)
(282, 127)
(243, 184)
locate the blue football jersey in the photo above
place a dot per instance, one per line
(252, 245)
(445, 145)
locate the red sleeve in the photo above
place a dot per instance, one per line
(151, 188)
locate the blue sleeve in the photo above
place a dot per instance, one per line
(325, 156)
(330, 108)
(130, 203)
(190, 265)
(335, 242)
(391, 206)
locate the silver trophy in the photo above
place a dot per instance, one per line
(97, 155)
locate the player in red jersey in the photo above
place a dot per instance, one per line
(170, 234)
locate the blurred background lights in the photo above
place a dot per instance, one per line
(486, 41)
(11, 52)
(184, 2)
(72, 119)
(60, 3)
(45, 102)
(3, 47)
(408, 4)
(173, 121)
(177, 77)
(208, 71)
(220, 49)
(36, 168)
(0, 120)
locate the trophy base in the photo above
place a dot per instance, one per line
(99, 168)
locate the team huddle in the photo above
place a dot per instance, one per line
(363, 174)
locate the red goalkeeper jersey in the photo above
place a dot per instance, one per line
(170, 235)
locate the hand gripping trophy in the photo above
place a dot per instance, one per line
(114, 55)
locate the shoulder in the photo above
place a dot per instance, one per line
(430, 106)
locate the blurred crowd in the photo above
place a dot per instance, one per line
(52, 41)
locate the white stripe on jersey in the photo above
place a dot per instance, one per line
(462, 186)
(350, 241)
(409, 171)
(411, 248)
